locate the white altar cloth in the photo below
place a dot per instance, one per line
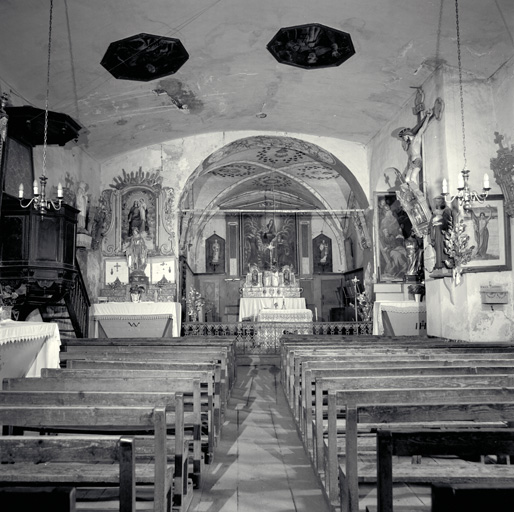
(249, 307)
(26, 347)
(405, 318)
(137, 319)
(284, 315)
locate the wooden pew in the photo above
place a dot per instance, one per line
(425, 442)
(62, 380)
(209, 399)
(391, 382)
(447, 497)
(229, 342)
(56, 499)
(306, 398)
(161, 354)
(192, 421)
(445, 409)
(37, 472)
(152, 419)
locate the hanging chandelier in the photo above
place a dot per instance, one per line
(465, 195)
(39, 200)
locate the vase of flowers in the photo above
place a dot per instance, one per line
(418, 290)
(195, 302)
(7, 300)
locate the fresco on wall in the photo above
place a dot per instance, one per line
(268, 241)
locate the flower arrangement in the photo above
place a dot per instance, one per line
(136, 291)
(417, 289)
(194, 302)
(8, 296)
(364, 307)
(456, 247)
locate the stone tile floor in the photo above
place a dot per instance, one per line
(260, 463)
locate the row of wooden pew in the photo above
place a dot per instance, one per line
(361, 403)
(124, 413)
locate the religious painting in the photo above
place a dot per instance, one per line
(138, 212)
(392, 227)
(488, 228)
(322, 254)
(268, 241)
(215, 255)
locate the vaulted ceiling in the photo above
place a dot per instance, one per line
(230, 80)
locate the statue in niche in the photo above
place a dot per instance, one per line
(81, 203)
(136, 252)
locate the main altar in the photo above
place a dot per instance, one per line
(273, 299)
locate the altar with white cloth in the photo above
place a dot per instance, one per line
(26, 347)
(298, 321)
(400, 318)
(250, 307)
(136, 319)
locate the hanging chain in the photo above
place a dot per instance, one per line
(45, 136)
(460, 83)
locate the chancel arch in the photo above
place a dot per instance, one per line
(292, 188)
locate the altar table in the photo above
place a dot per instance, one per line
(137, 319)
(298, 321)
(26, 347)
(402, 318)
(249, 307)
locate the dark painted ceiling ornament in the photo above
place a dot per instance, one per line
(27, 124)
(144, 57)
(311, 46)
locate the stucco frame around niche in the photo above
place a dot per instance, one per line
(117, 201)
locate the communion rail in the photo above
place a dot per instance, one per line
(264, 337)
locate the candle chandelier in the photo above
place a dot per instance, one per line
(465, 195)
(39, 200)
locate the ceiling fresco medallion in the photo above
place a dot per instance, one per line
(235, 171)
(144, 57)
(311, 46)
(272, 181)
(316, 172)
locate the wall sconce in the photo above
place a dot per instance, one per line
(465, 195)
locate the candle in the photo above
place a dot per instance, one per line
(20, 191)
(316, 313)
(59, 190)
(36, 190)
(460, 182)
(445, 186)
(486, 181)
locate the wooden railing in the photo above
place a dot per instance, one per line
(78, 303)
(264, 337)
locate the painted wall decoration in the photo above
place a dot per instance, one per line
(392, 227)
(268, 240)
(322, 254)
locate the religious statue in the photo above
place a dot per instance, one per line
(441, 219)
(411, 139)
(215, 247)
(414, 253)
(81, 203)
(137, 252)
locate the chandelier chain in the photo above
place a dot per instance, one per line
(45, 136)
(461, 93)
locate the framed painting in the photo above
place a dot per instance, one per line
(18, 167)
(269, 241)
(392, 227)
(488, 227)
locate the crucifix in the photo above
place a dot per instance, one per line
(117, 267)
